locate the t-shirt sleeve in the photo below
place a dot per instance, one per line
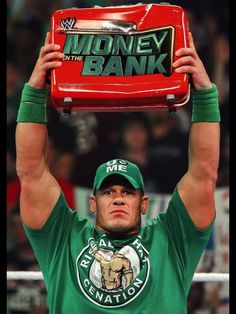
(187, 240)
(47, 241)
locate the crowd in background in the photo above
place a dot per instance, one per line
(156, 141)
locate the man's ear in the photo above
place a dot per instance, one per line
(144, 204)
(93, 204)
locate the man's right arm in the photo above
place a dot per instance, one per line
(39, 189)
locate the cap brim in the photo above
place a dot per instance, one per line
(134, 184)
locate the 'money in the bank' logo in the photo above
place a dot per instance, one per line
(139, 53)
(112, 278)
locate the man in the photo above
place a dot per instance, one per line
(117, 266)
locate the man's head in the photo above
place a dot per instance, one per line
(118, 197)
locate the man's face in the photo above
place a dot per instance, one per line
(118, 209)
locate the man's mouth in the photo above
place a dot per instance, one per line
(119, 211)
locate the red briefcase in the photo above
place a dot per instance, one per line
(119, 58)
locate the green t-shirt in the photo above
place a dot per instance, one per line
(85, 271)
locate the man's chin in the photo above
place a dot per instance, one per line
(119, 229)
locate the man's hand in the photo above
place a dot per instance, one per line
(190, 63)
(49, 58)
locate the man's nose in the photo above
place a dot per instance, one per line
(118, 201)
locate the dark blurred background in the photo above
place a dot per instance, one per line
(156, 141)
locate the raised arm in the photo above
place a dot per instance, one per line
(197, 186)
(39, 189)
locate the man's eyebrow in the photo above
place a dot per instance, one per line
(103, 188)
(129, 188)
(124, 186)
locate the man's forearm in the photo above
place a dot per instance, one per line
(204, 150)
(31, 133)
(31, 147)
(205, 134)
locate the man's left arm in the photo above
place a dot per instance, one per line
(197, 186)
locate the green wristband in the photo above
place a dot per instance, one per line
(33, 105)
(206, 106)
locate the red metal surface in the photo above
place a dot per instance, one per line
(119, 92)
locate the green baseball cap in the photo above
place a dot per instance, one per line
(122, 167)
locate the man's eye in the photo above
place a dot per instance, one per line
(107, 192)
(128, 192)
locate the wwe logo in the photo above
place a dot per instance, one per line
(68, 24)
